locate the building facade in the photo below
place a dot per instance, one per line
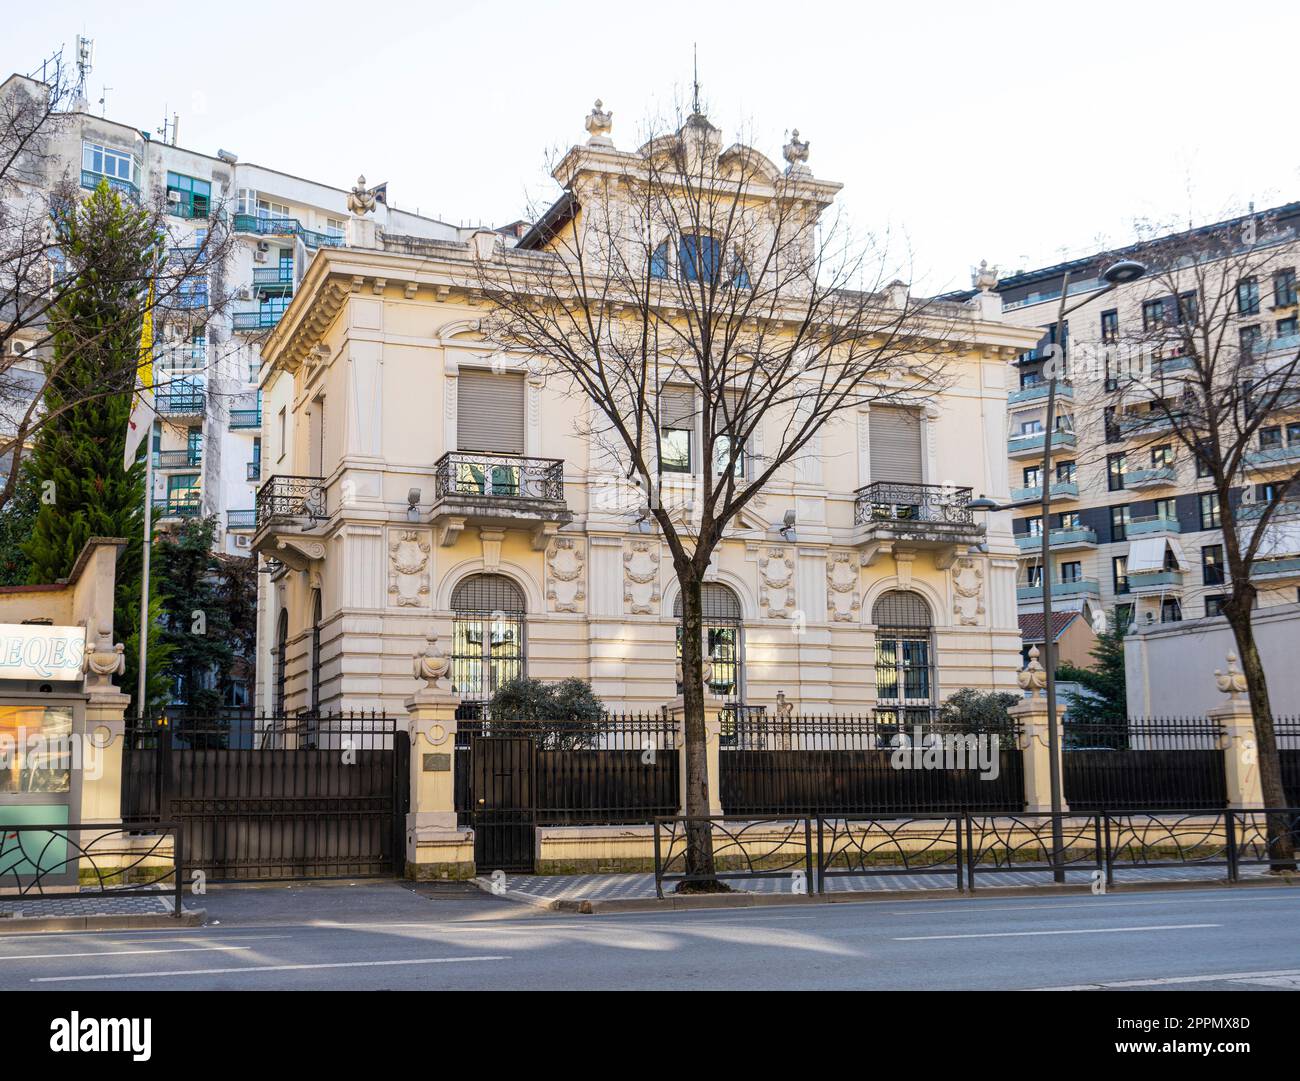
(417, 481)
(1134, 528)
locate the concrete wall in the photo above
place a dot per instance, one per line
(1170, 667)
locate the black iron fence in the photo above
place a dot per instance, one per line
(1144, 763)
(92, 859)
(286, 499)
(939, 505)
(883, 762)
(498, 476)
(812, 851)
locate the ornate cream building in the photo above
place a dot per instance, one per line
(417, 481)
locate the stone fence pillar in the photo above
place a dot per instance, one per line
(1034, 742)
(1240, 752)
(436, 847)
(101, 748)
(712, 743)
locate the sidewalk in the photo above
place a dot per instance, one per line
(636, 892)
(89, 912)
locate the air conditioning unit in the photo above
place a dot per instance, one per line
(259, 257)
(243, 541)
(173, 196)
(245, 292)
(18, 349)
(263, 246)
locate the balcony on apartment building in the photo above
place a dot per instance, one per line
(242, 420)
(255, 469)
(890, 515)
(257, 225)
(286, 511)
(1062, 491)
(176, 510)
(258, 319)
(90, 180)
(241, 521)
(273, 281)
(1278, 457)
(1078, 587)
(501, 491)
(1276, 571)
(191, 458)
(1151, 525)
(179, 400)
(1159, 476)
(1137, 424)
(1142, 583)
(1036, 393)
(1060, 540)
(1030, 445)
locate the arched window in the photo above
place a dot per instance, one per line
(697, 257)
(904, 653)
(723, 627)
(488, 647)
(315, 652)
(659, 261)
(281, 647)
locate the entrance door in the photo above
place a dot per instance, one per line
(504, 819)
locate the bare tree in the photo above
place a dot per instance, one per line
(1200, 371)
(713, 323)
(185, 285)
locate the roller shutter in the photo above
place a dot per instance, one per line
(490, 412)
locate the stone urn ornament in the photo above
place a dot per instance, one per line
(433, 666)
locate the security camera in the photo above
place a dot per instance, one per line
(412, 505)
(788, 520)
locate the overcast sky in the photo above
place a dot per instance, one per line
(1018, 132)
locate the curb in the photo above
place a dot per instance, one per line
(740, 899)
(26, 925)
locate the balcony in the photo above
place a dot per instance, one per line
(1154, 525)
(239, 521)
(1273, 457)
(1139, 424)
(177, 459)
(287, 509)
(889, 515)
(1031, 446)
(257, 320)
(1275, 570)
(176, 509)
(1080, 587)
(1062, 491)
(180, 403)
(273, 281)
(245, 420)
(499, 490)
(1060, 540)
(255, 470)
(1159, 476)
(1246, 512)
(1037, 392)
(1141, 583)
(197, 210)
(260, 226)
(90, 180)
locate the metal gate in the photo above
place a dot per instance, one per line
(276, 797)
(505, 820)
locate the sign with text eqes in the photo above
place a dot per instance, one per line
(33, 651)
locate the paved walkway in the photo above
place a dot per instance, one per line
(75, 905)
(641, 887)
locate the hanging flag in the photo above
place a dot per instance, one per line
(142, 408)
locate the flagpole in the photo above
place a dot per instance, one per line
(144, 576)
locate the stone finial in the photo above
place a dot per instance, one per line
(104, 660)
(361, 200)
(432, 665)
(706, 670)
(599, 123)
(985, 277)
(1033, 677)
(796, 154)
(1233, 682)
(784, 709)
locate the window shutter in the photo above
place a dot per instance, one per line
(895, 445)
(677, 407)
(490, 412)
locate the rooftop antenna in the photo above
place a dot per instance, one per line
(85, 63)
(695, 66)
(103, 98)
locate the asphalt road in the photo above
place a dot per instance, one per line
(388, 937)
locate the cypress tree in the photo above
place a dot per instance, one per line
(196, 621)
(76, 465)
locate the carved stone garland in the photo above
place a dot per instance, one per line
(565, 584)
(641, 577)
(408, 568)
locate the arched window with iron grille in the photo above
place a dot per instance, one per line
(723, 639)
(905, 682)
(281, 648)
(315, 652)
(488, 641)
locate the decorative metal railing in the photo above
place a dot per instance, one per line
(258, 320)
(246, 418)
(499, 476)
(178, 459)
(254, 469)
(260, 226)
(241, 519)
(273, 279)
(180, 403)
(932, 504)
(176, 508)
(91, 179)
(288, 499)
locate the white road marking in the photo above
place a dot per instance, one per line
(263, 968)
(118, 953)
(1077, 931)
(1164, 981)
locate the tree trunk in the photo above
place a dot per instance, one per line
(1281, 843)
(699, 833)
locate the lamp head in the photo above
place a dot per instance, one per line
(1123, 272)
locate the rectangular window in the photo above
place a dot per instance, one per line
(1123, 615)
(119, 166)
(1270, 437)
(38, 761)
(1248, 339)
(1153, 314)
(1285, 328)
(1214, 604)
(1116, 467)
(1034, 574)
(1034, 526)
(281, 437)
(187, 196)
(1164, 508)
(1248, 297)
(1188, 308)
(1162, 456)
(1210, 518)
(335, 227)
(1065, 472)
(1031, 379)
(1203, 463)
(1293, 433)
(1119, 573)
(677, 415)
(1212, 564)
(1033, 476)
(1119, 521)
(183, 491)
(1031, 427)
(1069, 519)
(267, 209)
(1171, 611)
(1110, 325)
(895, 445)
(1284, 293)
(490, 411)
(1072, 571)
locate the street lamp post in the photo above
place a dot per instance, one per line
(1115, 275)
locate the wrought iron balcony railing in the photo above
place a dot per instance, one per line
(177, 459)
(245, 418)
(936, 506)
(499, 477)
(287, 500)
(241, 519)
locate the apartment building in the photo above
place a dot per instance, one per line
(1133, 527)
(465, 495)
(207, 441)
